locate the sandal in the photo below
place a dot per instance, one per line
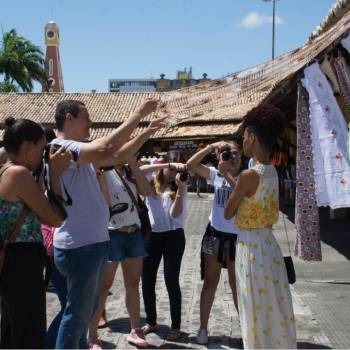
(147, 328)
(174, 334)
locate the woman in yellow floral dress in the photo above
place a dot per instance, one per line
(264, 298)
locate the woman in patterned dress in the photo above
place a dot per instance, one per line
(264, 298)
(22, 290)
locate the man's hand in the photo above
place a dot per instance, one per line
(147, 107)
(157, 124)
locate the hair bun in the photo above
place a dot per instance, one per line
(10, 121)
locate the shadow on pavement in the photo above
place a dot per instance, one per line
(220, 342)
(120, 325)
(169, 345)
(107, 345)
(306, 345)
(334, 232)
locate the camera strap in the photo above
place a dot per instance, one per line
(69, 200)
(130, 192)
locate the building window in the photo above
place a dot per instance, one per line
(50, 67)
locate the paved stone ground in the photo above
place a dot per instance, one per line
(321, 307)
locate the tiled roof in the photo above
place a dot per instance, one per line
(40, 107)
(231, 97)
(180, 131)
(205, 107)
(336, 12)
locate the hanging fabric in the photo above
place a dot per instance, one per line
(329, 140)
(346, 43)
(343, 73)
(328, 70)
(308, 243)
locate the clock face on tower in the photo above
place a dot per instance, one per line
(50, 34)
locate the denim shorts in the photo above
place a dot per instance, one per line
(125, 245)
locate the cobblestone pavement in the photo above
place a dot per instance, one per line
(223, 324)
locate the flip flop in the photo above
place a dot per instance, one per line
(174, 334)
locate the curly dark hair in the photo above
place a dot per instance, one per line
(267, 122)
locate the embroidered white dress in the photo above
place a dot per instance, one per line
(264, 297)
(329, 141)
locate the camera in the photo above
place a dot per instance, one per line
(226, 155)
(184, 175)
(56, 147)
(118, 208)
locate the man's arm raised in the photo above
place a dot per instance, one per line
(104, 147)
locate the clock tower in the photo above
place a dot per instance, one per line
(52, 58)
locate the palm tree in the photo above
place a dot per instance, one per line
(21, 63)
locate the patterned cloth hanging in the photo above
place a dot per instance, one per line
(343, 74)
(329, 136)
(308, 244)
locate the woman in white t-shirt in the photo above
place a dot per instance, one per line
(127, 246)
(220, 238)
(167, 212)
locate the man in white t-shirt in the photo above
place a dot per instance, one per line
(81, 243)
(220, 238)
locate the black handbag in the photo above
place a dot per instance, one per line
(288, 261)
(146, 227)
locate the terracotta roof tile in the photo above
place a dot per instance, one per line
(178, 131)
(40, 107)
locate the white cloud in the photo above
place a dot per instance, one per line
(254, 20)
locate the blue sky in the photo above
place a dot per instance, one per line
(102, 39)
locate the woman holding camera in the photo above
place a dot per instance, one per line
(167, 212)
(127, 246)
(23, 204)
(220, 237)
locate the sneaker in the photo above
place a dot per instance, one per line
(137, 338)
(94, 344)
(202, 337)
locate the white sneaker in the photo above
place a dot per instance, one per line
(202, 337)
